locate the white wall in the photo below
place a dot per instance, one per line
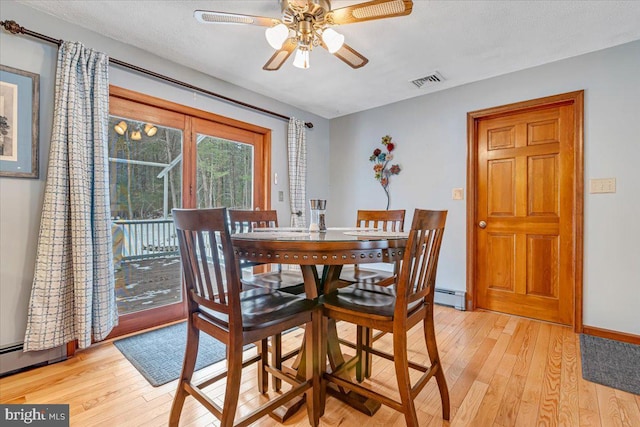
(431, 136)
(21, 199)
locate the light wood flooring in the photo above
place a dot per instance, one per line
(501, 371)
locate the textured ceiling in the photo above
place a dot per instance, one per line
(465, 41)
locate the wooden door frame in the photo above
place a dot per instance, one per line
(571, 98)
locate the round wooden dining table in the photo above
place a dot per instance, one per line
(331, 250)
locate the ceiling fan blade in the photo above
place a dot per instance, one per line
(350, 56)
(375, 9)
(275, 62)
(211, 17)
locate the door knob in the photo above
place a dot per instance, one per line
(482, 224)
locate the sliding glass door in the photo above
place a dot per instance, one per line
(162, 159)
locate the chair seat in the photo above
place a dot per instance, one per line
(289, 281)
(366, 275)
(260, 307)
(373, 300)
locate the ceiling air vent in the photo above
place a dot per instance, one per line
(429, 80)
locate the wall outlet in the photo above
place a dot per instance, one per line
(457, 194)
(602, 185)
(281, 196)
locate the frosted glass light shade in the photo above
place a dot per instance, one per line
(121, 128)
(150, 129)
(277, 35)
(136, 135)
(333, 39)
(302, 59)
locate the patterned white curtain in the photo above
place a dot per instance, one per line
(73, 295)
(297, 150)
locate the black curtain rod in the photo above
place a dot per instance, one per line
(14, 28)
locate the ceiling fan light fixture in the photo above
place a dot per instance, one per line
(136, 135)
(333, 39)
(121, 128)
(302, 59)
(277, 35)
(150, 130)
(306, 24)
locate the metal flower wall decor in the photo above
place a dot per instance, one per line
(381, 160)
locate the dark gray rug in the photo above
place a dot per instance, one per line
(158, 354)
(612, 363)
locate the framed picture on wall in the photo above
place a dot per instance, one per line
(19, 111)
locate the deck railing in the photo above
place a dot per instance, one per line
(147, 238)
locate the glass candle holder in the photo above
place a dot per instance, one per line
(318, 209)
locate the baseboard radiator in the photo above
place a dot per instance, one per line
(450, 298)
(13, 359)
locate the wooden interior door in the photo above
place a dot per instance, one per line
(526, 219)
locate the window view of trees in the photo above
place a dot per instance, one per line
(224, 174)
(145, 169)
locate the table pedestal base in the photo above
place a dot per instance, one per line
(356, 401)
(286, 411)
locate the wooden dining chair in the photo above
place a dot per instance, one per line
(396, 310)
(387, 220)
(245, 221)
(218, 307)
(289, 281)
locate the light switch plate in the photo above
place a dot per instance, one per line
(457, 194)
(602, 185)
(281, 196)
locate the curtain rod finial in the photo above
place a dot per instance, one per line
(12, 27)
(309, 125)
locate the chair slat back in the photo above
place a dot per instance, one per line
(420, 261)
(209, 266)
(388, 220)
(245, 221)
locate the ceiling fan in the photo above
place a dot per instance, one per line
(306, 24)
